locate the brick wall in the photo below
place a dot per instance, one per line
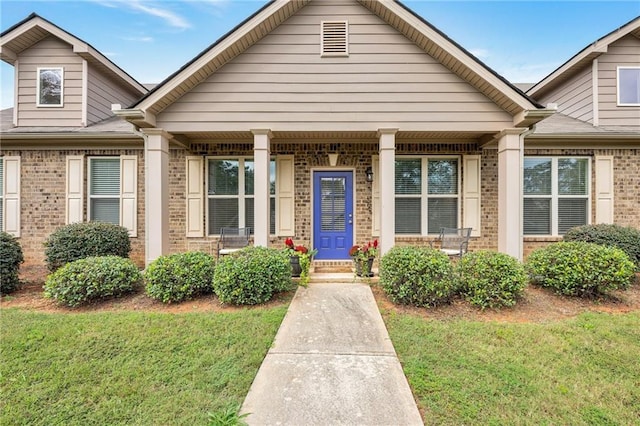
(43, 198)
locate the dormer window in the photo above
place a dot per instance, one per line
(335, 38)
(50, 90)
(629, 86)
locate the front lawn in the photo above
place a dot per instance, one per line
(129, 367)
(580, 371)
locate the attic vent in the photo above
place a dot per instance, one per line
(335, 38)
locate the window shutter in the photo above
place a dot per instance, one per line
(285, 196)
(11, 198)
(471, 193)
(129, 193)
(195, 196)
(75, 194)
(604, 189)
(375, 196)
(335, 38)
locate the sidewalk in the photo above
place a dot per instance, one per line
(332, 363)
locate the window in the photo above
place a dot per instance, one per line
(230, 194)
(427, 194)
(104, 190)
(556, 194)
(50, 90)
(629, 86)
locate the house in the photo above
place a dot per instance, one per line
(582, 165)
(334, 122)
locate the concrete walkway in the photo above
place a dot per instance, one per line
(332, 363)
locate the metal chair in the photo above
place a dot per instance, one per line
(453, 241)
(232, 239)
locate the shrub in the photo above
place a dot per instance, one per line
(10, 259)
(580, 269)
(252, 275)
(92, 278)
(490, 279)
(80, 240)
(625, 238)
(180, 276)
(418, 276)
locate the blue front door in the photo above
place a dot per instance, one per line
(332, 214)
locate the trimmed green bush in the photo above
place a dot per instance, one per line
(80, 240)
(418, 276)
(626, 238)
(252, 275)
(92, 278)
(179, 276)
(580, 269)
(489, 279)
(10, 259)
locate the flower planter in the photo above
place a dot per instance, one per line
(296, 269)
(360, 267)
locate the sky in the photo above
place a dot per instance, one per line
(150, 39)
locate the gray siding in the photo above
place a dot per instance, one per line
(284, 84)
(575, 96)
(625, 51)
(54, 53)
(101, 93)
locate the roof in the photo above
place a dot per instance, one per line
(584, 57)
(562, 126)
(34, 29)
(397, 15)
(109, 127)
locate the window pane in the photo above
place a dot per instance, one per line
(629, 85)
(332, 204)
(443, 213)
(248, 213)
(537, 176)
(272, 178)
(50, 86)
(443, 176)
(249, 173)
(223, 178)
(408, 176)
(105, 210)
(537, 216)
(1, 177)
(105, 176)
(572, 176)
(223, 212)
(571, 212)
(408, 215)
(272, 208)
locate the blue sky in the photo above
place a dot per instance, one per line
(150, 39)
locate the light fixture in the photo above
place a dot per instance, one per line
(369, 173)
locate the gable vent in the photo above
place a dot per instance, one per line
(335, 40)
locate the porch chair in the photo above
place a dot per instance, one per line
(232, 239)
(453, 241)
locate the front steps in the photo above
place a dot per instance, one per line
(337, 271)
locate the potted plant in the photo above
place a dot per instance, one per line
(300, 258)
(363, 257)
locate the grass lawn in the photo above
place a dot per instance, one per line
(582, 371)
(129, 367)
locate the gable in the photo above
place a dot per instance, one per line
(283, 81)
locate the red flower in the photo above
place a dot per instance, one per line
(375, 244)
(301, 249)
(354, 250)
(289, 243)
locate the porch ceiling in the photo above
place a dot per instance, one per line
(315, 136)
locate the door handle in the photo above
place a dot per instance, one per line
(350, 219)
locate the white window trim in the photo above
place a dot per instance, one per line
(241, 184)
(618, 92)
(38, 104)
(554, 196)
(424, 196)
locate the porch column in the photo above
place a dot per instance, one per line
(510, 167)
(261, 193)
(387, 172)
(156, 193)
